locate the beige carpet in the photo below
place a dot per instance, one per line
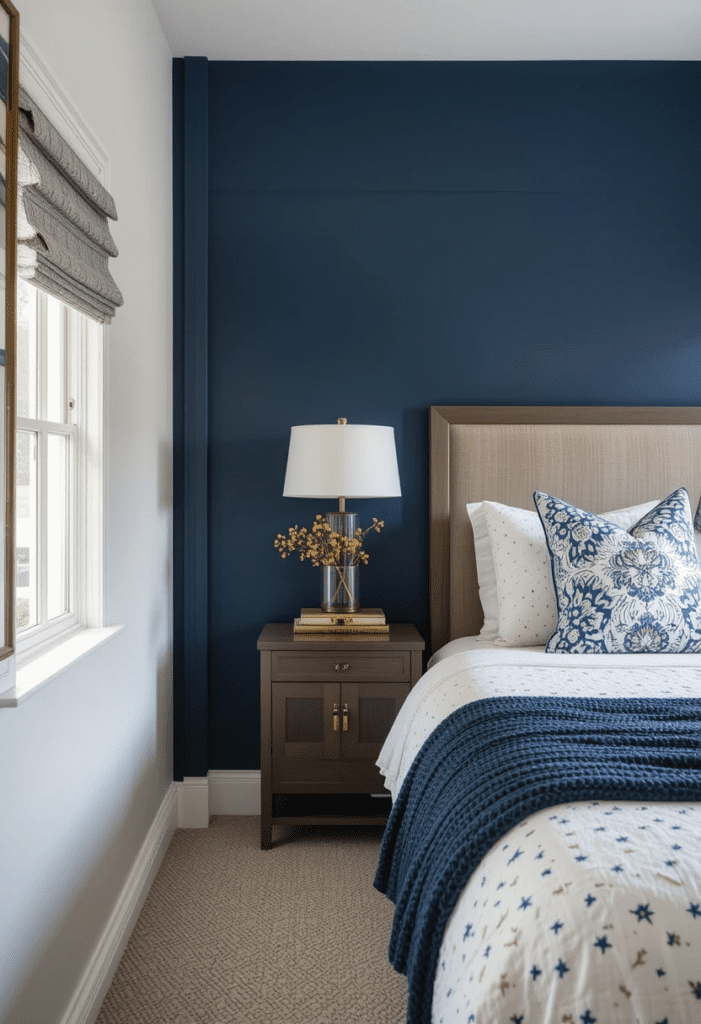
(231, 934)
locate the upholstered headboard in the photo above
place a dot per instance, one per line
(594, 457)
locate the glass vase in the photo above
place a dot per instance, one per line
(340, 588)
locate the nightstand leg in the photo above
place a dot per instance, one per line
(266, 811)
(266, 796)
(266, 829)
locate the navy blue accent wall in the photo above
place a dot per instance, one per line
(388, 236)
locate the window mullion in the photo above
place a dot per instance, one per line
(76, 593)
(66, 364)
(77, 392)
(35, 357)
(42, 355)
(69, 536)
(42, 445)
(42, 485)
(22, 423)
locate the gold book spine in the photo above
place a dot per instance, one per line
(343, 623)
(340, 629)
(342, 620)
(367, 617)
(356, 636)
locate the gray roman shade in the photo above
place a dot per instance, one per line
(63, 238)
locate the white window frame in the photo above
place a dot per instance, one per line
(83, 385)
(37, 78)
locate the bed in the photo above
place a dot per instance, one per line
(544, 846)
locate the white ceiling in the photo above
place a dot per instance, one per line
(433, 29)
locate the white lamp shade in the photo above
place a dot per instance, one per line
(333, 460)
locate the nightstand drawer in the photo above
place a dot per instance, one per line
(326, 777)
(310, 666)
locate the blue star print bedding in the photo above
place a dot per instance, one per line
(585, 910)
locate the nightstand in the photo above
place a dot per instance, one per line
(326, 707)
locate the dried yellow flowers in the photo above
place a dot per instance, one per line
(323, 546)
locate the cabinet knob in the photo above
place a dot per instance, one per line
(342, 667)
(335, 718)
(345, 718)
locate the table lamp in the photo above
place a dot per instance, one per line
(341, 460)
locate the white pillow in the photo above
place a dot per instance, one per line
(523, 589)
(486, 576)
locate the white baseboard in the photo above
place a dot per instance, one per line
(193, 802)
(218, 792)
(88, 996)
(234, 792)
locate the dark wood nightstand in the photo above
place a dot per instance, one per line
(326, 707)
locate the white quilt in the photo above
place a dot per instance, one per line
(586, 912)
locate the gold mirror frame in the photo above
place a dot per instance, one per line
(9, 52)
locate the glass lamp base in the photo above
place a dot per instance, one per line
(340, 584)
(340, 588)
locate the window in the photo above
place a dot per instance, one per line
(53, 469)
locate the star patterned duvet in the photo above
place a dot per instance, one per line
(585, 912)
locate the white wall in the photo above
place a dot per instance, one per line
(87, 760)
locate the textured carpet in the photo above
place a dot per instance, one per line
(232, 934)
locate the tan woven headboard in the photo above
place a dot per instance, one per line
(595, 457)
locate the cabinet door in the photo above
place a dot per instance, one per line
(372, 708)
(303, 721)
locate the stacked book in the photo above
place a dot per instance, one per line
(367, 623)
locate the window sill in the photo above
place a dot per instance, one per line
(33, 675)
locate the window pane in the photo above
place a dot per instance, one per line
(26, 383)
(22, 567)
(56, 525)
(55, 361)
(26, 529)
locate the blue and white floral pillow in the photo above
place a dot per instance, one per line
(619, 592)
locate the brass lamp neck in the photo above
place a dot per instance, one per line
(342, 501)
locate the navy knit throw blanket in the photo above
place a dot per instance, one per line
(492, 763)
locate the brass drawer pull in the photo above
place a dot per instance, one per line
(345, 718)
(342, 667)
(335, 718)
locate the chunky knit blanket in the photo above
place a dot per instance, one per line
(494, 762)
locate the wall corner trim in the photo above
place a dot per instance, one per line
(92, 988)
(190, 417)
(42, 85)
